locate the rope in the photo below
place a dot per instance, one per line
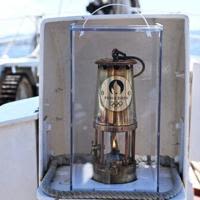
(143, 195)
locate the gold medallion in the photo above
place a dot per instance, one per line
(115, 93)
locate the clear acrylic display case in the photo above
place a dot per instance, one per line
(115, 115)
(57, 166)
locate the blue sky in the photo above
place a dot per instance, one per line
(11, 11)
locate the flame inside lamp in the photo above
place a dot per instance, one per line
(114, 143)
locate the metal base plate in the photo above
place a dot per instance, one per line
(114, 175)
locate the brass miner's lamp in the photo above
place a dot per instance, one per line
(115, 115)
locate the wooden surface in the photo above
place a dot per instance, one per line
(195, 177)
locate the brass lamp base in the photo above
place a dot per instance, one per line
(116, 174)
